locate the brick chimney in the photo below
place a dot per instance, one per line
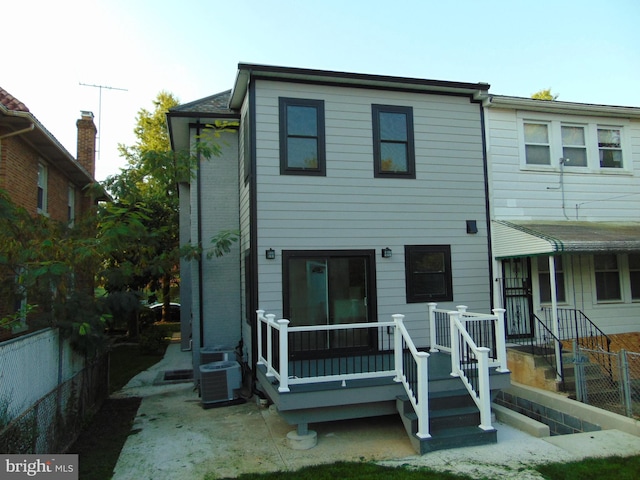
(87, 142)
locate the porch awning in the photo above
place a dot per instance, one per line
(529, 238)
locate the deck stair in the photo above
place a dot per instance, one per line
(453, 415)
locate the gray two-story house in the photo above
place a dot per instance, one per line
(356, 197)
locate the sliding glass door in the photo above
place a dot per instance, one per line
(329, 288)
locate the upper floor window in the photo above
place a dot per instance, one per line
(428, 273)
(548, 142)
(42, 188)
(574, 147)
(393, 146)
(610, 147)
(302, 142)
(536, 141)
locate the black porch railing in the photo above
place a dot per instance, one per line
(545, 344)
(575, 325)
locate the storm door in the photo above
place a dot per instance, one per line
(517, 298)
(329, 288)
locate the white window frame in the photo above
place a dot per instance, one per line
(535, 144)
(42, 184)
(71, 205)
(591, 125)
(621, 272)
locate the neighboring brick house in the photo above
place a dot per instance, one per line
(36, 171)
(39, 174)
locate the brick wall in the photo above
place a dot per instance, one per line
(19, 177)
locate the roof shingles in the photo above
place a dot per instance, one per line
(11, 103)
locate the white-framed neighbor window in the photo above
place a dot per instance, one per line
(42, 188)
(574, 145)
(610, 147)
(544, 280)
(607, 276)
(536, 143)
(71, 205)
(550, 142)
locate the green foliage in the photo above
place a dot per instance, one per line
(47, 268)
(544, 94)
(140, 229)
(154, 339)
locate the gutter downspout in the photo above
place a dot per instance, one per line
(18, 132)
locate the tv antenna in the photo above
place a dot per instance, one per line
(100, 87)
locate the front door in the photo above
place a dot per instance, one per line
(329, 288)
(517, 298)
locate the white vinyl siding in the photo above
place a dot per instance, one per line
(534, 193)
(522, 192)
(350, 209)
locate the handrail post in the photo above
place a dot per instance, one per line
(270, 319)
(432, 327)
(484, 393)
(423, 395)
(397, 347)
(259, 315)
(455, 344)
(501, 342)
(284, 355)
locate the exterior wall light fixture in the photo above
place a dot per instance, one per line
(270, 254)
(472, 226)
(386, 252)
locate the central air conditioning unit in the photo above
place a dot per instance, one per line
(218, 381)
(218, 353)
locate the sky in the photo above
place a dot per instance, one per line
(113, 57)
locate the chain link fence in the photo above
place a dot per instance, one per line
(46, 392)
(607, 380)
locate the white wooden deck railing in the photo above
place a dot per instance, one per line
(469, 361)
(410, 366)
(280, 368)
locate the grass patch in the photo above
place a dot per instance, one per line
(100, 443)
(620, 468)
(351, 471)
(126, 361)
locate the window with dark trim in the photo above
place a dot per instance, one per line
(393, 146)
(302, 143)
(428, 273)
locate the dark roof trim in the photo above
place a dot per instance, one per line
(328, 77)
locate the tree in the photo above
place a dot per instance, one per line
(544, 94)
(46, 275)
(142, 224)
